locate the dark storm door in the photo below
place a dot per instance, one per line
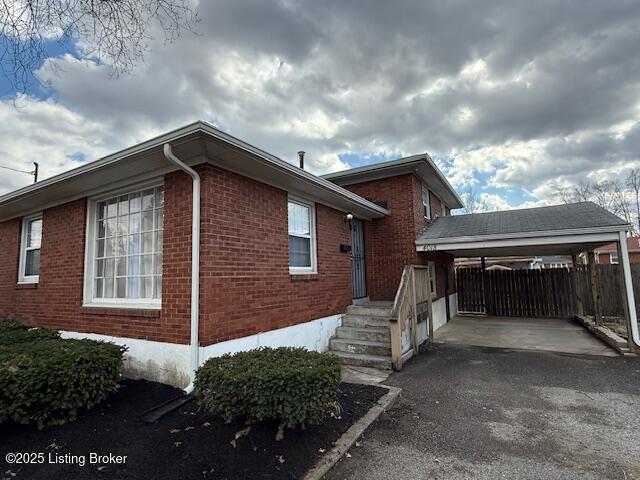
(358, 270)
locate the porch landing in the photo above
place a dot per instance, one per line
(543, 334)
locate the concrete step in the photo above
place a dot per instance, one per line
(366, 347)
(374, 334)
(360, 360)
(364, 321)
(376, 310)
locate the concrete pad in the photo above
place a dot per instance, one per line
(543, 334)
(366, 375)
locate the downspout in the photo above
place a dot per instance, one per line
(631, 302)
(195, 262)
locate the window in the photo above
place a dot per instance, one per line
(124, 254)
(613, 258)
(30, 249)
(426, 206)
(432, 278)
(302, 248)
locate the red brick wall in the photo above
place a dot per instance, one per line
(56, 301)
(245, 287)
(390, 241)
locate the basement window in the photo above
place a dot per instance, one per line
(613, 258)
(124, 249)
(30, 249)
(302, 236)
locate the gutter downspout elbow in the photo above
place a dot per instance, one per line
(195, 263)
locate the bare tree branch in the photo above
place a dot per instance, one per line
(473, 203)
(114, 32)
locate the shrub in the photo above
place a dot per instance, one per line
(48, 380)
(13, 332)
(291, 385)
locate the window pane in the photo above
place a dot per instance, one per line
(123, 205)
(108, 288)
(102, 232)
(121, 246)
(147, 220)
(158, 248)
(100, 248)
(134, 265)
(121, 266)
(298, 219)
(102, 210)
(146, 287)
(134, 244)
(109, 267)
(157, 288)
(98, 289)
(99, 268)
(109, 247)
(134, 224)
(133, 287)
(159, 197)
(134, 202)
(146, 265)
(123, 225)
(121, 287)
(159, 219)
(112, 208)
(32, 263)
(34, 233)
(158, 264)
(147, 242)
(299, 252)
(147, 199)
(110, 227)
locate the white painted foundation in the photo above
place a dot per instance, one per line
(169, 362)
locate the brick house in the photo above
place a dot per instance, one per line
(608, 255)
(104, 251)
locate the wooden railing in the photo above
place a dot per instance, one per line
(411, 315)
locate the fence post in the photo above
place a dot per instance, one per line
(574, 283)
(597, 307)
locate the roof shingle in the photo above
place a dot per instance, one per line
(558, 217)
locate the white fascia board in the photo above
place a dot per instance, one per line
(194, 128)
(537, 240)
(520, 235)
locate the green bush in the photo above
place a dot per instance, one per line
(13, 332)
(291, 385)
(48, 380)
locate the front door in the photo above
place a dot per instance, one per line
(358, 271)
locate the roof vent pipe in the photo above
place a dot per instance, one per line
(301, 157)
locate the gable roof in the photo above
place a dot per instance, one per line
(421, 165)
(198, 142)
(583, 216)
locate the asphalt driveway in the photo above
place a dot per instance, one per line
(476, 412)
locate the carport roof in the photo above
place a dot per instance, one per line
(558, 217)
(551, 230)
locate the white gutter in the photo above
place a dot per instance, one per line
(631, 302)
(195, 262)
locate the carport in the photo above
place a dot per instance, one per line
(571, 230)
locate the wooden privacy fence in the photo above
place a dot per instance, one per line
(411, 315)
(609, 289)
(516, 293)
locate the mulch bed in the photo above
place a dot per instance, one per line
(189, 443)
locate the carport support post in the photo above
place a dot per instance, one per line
(574, 281)
(628, 298)
(597, 306)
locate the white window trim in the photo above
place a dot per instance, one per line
(87, 298)
(428, 204)
(313, 269)
(613, 255)
(22, 278)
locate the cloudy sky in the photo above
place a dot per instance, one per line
(510, 98)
